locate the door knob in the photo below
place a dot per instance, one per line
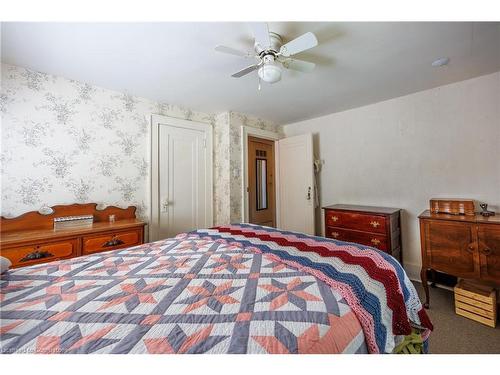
(165, 206)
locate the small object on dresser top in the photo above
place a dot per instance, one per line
(485, 212)
(73, 221)
(452, 206)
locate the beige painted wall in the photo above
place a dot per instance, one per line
(443, 142)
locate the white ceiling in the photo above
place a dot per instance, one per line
(357, 63)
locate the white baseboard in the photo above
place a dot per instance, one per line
(413, 271)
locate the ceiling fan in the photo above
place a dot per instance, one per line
(272, 55)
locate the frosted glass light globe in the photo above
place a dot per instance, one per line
(270, 72)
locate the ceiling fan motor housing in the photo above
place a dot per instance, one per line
(276, 43)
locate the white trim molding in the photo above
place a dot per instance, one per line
(156, 121)
(247, 131)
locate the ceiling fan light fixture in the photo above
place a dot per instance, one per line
(270, 72)
(271, 55)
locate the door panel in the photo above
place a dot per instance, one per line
(489, 251)
(451, 249)
(261, 190)
(296, 183)
(182, 180)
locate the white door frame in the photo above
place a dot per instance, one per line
(156, 120)
(247, 131)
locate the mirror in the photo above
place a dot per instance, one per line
(261, 180)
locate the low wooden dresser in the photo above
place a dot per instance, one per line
(31, 238)
(466, 246)
(378, 227)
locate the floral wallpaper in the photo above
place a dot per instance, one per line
(222, 175)
(65, 141)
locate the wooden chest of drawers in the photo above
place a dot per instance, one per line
(377, 227)
(465, 246)
(30, 238)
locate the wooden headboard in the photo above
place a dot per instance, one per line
(34, 220)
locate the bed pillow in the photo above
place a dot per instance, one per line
(4, 264)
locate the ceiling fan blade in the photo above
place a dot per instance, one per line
(261, 34)
(302, 43)
(232, 51)
(245, 71)
(300, 65)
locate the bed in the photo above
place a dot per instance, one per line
(230, 289)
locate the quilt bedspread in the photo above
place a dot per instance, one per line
(373, 283)
(197, 293)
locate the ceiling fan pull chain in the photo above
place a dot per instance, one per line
(259, 83)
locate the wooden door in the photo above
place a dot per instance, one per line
(489, 251)
(296, 183)
(451, 248)
(261, 187)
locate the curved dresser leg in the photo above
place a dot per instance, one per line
(423, 277)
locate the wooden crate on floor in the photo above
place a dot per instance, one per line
(476, 302)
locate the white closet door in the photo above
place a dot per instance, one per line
(182, 196)
(296, 183)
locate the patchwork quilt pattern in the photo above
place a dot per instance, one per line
(374, 284)
(182, 295)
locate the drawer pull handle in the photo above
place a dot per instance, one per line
(113, 242)
(335, 234)
(486, 251)
(335, 218)
(375, 241)
(36, 255)
(470, 247)
(374, 223)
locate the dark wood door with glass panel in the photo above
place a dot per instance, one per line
(261, 190)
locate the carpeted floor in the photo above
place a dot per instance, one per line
(454, 334)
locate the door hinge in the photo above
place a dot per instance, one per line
(204, 143)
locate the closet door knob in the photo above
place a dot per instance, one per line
(165, 205)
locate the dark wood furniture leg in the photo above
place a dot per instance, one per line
(433, 278)
(423, 277)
